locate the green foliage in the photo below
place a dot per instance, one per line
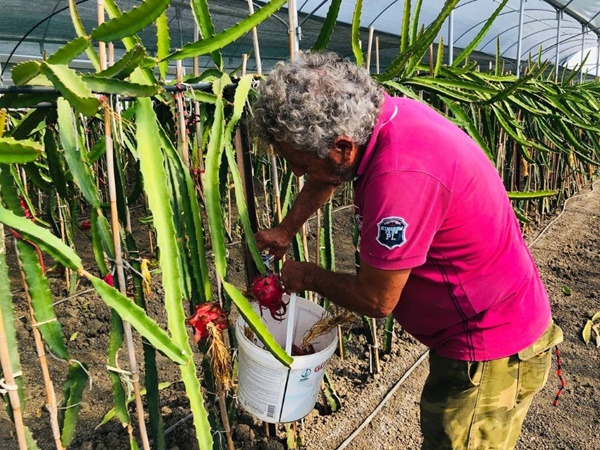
(71, 403)
(42, 238)
(80, 31)
(72, 87)
(328, 26)
(24, 72)
(163, 43)
(8, 323)
(543, 133)
(125, 66)
(129, 23)
(356, 47)
(120, 87)
(74, 152)
(18, 152)
(138, 319)
(255, 323)
(69, 51)
(482, 33)
(206, 27)
(158, 192)
(590, 326)
(224, 38)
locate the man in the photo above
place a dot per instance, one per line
(440, 246)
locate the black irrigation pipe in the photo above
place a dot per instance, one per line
(31, 31)
(203, 86)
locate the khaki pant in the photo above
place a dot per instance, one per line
(482, 405)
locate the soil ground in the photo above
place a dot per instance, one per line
(378, 411)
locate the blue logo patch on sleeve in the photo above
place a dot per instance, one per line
(391, 232)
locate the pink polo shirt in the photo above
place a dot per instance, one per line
(427, 198)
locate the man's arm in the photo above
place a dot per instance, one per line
(372, 292)
(313, 195)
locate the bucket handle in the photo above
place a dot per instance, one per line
(290, 324)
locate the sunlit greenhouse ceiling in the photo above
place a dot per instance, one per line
(560, 31)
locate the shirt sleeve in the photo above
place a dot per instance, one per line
(402, 212)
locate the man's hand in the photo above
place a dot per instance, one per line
(373, 292)
(275, 239)
(311, 197)
(294, 274)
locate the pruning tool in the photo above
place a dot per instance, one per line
(267, 259)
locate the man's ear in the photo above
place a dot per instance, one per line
(343, 150)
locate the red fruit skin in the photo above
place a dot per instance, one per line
(25, 208)
(85, 225)
(268, 291)
(108, 279)
(207, 313)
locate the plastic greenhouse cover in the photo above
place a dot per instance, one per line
(47, 26)
(540, 23)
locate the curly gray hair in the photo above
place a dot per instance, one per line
(310, 101)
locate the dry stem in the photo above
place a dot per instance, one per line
(220, 361)
(9, 381)
(39, 346)
(324, 326)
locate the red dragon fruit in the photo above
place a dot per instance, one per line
(205, 314)
(268, 291)
(25, 208)
(109, 279)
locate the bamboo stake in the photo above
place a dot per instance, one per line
(274, 171)
(266, 196)
(292, 16)
(369, 47)
(294, 47)
(340, 345)
(41, 352)
(230, 186)
(276, 188)
(318, 232)
(224, 417)
(377, 54)
(255, 42)
(61, 221)
(318, 239)
(111, 53)
(375, 347)
(101, 45)
(7, 372)
(135, 376)
(182, 137)
(431, 59)
(198, 123)
(244, 63)
(195, 59)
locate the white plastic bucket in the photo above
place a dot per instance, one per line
(266, 388)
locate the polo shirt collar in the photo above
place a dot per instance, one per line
(388, 112)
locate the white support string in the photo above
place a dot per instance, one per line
(5, 387)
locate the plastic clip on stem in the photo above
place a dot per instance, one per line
(267, 259)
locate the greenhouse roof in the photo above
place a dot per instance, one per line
(570, 27)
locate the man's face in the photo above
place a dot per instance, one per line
(333, 169)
